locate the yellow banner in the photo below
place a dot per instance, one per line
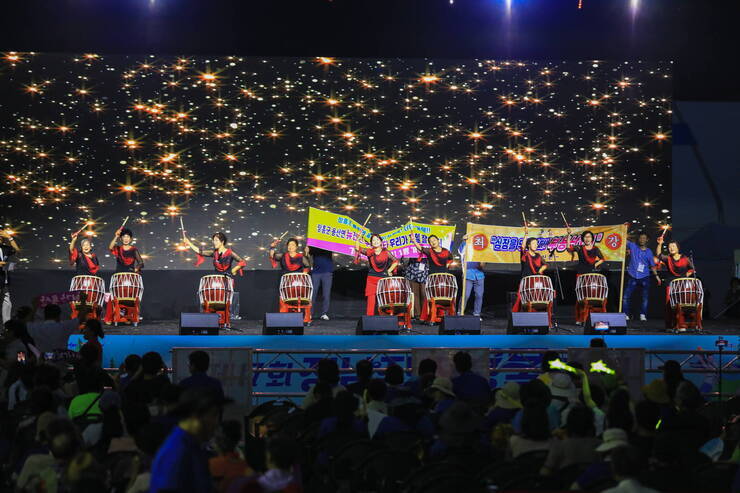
(501, 244)
(334, 232)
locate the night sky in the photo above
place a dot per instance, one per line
(245, 145)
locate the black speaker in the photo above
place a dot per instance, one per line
(282, 323)
(377, 324)
(460, 324)
(199, 324)
(606, 324)
(528, 323)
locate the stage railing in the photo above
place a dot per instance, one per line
(654, 359)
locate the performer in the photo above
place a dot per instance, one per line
(322, 274)
(83, 258)
(8, 248)
(440, 259)
(127, 255)
(475, 280)
(532, 263)
(641, 263)
(290, 261)
(677, 265)
(589, 260)
(381, 263)
(224, 258)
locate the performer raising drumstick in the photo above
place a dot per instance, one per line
(83, 258)
(381, 263)
(440, 257)
(677, 265)
(290, 261)
(127, 255)
(590, 259)
(533, 264)
(224, 258)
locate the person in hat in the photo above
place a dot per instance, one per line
(442, 395)
(593, 397)
(181, 463)
(506, 404)
(601, 470)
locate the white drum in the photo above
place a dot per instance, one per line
(92, 286)
(215, 289)
(441, 287)
(536, 290)
(296, 288)
(394, 292)
(126, 286)
(686, 292)
(591, 286)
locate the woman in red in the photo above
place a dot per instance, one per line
(676, 265)
(439, 262)
(290, 261)
(127, 255)
(533, 264)
(381, 263)
(225, 260)
(85, 261)
(589, 260)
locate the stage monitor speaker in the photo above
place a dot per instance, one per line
(377, 324)
(606, 324)
(283, 324)
(460, 324)
(199, 324)
(528, 323)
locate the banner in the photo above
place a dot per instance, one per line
(337, 233)
(334, 232)
(398, 243)
(501, 244)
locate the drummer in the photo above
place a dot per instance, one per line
(290, 261)
(381, 263)
(224, 258)
(83, 258)
(589, 260)
(127, 255)
(677, 265)
(533, 264)
(440, 259)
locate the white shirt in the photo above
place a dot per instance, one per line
(630, 486)
(50, 334)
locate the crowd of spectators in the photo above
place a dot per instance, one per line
(68, 425)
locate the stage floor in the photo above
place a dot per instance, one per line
(346, 326)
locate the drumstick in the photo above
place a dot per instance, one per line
(282, 235)
(564, 220)
(80, 230)
(525, 220)
(182, 226)
(366, 220)
(665, 228)
(124, 223)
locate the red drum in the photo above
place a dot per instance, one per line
(296, 288)
(591, 286)
(441, 287)
(126, 286)
(394, 292)
(686, 292)
(536, 290)
(92, 286)
(215, 289)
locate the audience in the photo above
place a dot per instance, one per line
(199, 361)
(81, 430)
(53, 333)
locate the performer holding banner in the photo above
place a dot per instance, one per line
(440, 259)
(381, 263)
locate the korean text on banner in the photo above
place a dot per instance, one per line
(397, 240)
(334, 232)
(501, 244)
